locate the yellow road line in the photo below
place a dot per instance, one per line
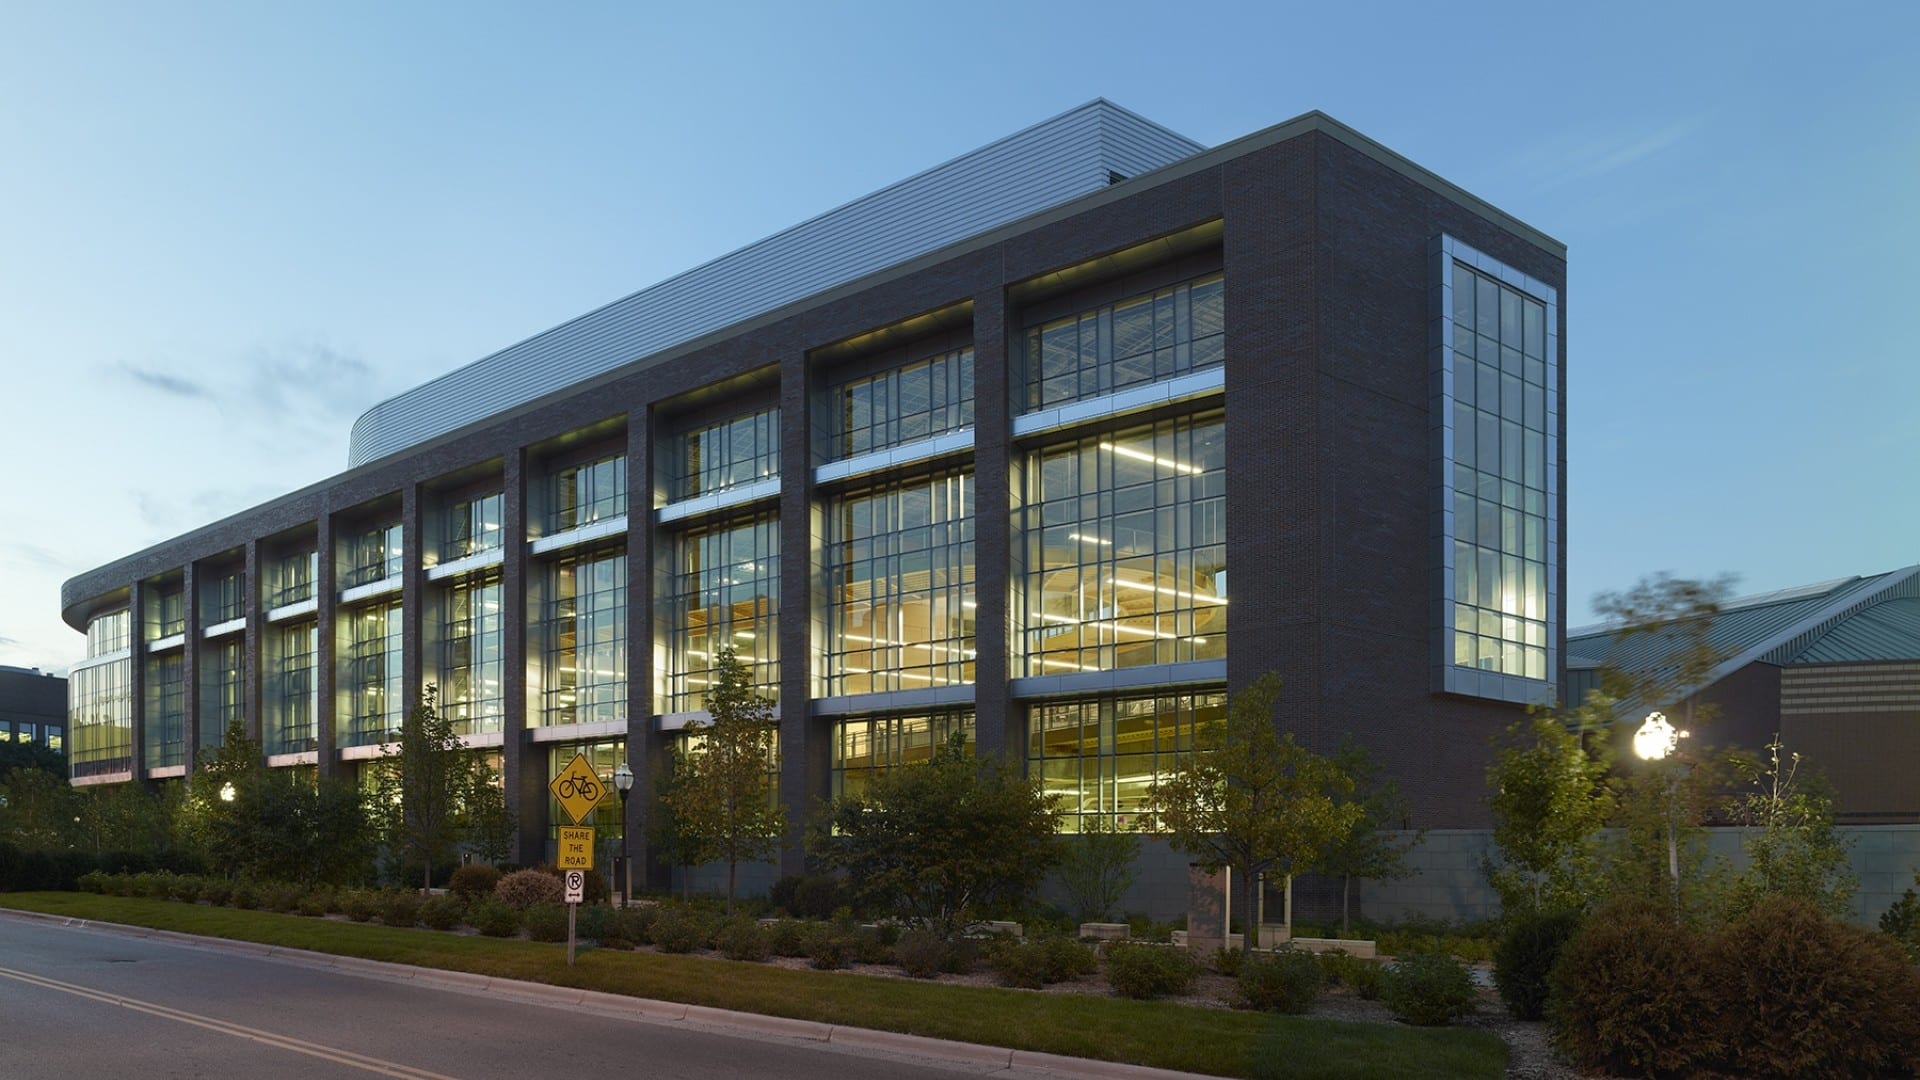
(227, 1027)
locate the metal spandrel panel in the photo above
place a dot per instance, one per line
(1045, 165)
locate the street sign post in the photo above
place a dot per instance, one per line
(576, 886)
(578, 788)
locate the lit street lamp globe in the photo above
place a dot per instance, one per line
(1656, 738)
(226, 792)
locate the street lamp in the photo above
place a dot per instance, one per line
(226, 791)
(1656, 741)
(623, 783)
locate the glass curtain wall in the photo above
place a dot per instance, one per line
(166, 719)
(596, 491)
(291, 577)
(1101, 757)
(375, 697)
(1125, 549)
(373, 555)
(725, 455)
(470, 655)
(864, 747)
(1140, 340)
(1500, 477)
(585, 674)
(224, 681)
(226, 598)
(471, 527)
(916, 401)
(100, 701)
(900, 565)
(291, 699)
(170, 613)
(724, 590)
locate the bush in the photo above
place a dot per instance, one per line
(360, 905)
(627, 927)
(870, 944)
(788, 937)
(1428, 989)
(1344, 969)
(1287, 981)
(829, 947)
(1631, 994)
(95, 881)
(1901, 922)
(1067, 958)
(1150, 971)
(1018, 963)
(743, 939)
(546, 922)
(524, 888)
(492, 917)
(246, 895)
(1228, 962)
(680, 929)
(400, 907)
(281, 897)
(216, 892)
(592, 920)
(921, 953)
(1524, 958)
(1804, 994)
(809, 896)
(473, 881)
(186, 888)
(315, 902)
(443, 912)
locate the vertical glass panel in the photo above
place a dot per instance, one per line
(724, 592)
(584, 627)
(1100, 757)
(1140, 339)
(470, 655)
(728, 454)
(900, 560)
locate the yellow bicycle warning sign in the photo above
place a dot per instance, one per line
(578, 788)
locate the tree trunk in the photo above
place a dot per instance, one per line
(1346, 901)
(1250, 912)
(730, 866)
(426, 878)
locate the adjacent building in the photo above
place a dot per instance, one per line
(974, 454)
(33, 707)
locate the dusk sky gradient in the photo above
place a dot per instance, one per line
(228, 229)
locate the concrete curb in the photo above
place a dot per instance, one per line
(649, 1010)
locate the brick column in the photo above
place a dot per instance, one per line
(998, 727)
(646, 750)
(190, 662)
(803, 746)
(326, 595)
(524, 764)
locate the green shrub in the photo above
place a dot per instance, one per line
(185, 888)
(400, 907)
(1066, 958)
(493, 917)
(1228, 962)
(592, 920)
(473, 881)
(1344, 969)
(1150, 971)
(681, 929)
(546, 922)
(869, 944)
(829, 947)
(630, 926)
(743, 939)
(1287, 981)
(217, 892)
(1525, 956)
(442, 912)
(315, 901)
(1428, 989)
(1018, 963)
(246, 895)
(1804, 994)
(1631, 993)
(1901, 922)
(810, 896)
(280, 896)
(920, 953)
(360, 905)
(93, 881)
(524, 888)
(787, 937)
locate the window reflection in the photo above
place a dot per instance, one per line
(724, 592)
(1139, 340)
(1101, 757)
(901, 601)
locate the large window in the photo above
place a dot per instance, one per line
(109, 633)
(169, 612)
(225, 598)
(100, 702)
(584, 679)
(1102, 757)
(1139, 340)
(867, 746)
(224, 680)
(583, 494)
(373, 555)
(470, 655)
(725, 455)
(290, 696)
(375, 700)
(166, 720)
(902, 404)
(725, 591)
(1500, 470)
(901, 602)
(291, 578)
(1126, 549)
(470, 527)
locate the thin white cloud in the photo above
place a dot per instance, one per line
(1575, 156)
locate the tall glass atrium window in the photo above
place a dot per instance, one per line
(865, 747)
(1126, 549)
(100, 700)
(225, 598)
(291, 578)
(471, 694)
(584, 679)
(166, 718)
(1140, 340)
(1500, 476)
(916, 401)
(224, 678)
(726, 455)
(373, 554)
(290, 696)
(725, 590)
(169, 612)
(471, 527)
(1102, 757)
(109, 633)
(596, 491)
(900, 566)
(375, 700)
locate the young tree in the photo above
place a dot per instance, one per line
(37, 810)
(1096, 867)
(1678, 613)
(430, 791)
(942, 843)
(722, 798)
(277, 824)
(1549, 794)
(1376, 847)
(1787, 831)
(1253, 800)
(226, 804)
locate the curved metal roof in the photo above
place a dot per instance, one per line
(1076, 153)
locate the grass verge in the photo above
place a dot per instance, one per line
(1217, 1041)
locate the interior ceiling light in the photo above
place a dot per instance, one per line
(1201, 597)
(1089, 539)
(1165, 463)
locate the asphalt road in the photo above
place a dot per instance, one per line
(76, 1001)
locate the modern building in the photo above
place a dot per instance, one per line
(971, 454)
(1832, 668)
(33, 707)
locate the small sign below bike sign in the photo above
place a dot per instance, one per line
(576, 847)
(576, 887)
(578, 788)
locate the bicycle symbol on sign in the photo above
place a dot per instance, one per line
(583, 786)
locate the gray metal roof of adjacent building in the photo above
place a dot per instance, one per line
(1078, 152)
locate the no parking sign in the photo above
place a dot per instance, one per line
(576, 886)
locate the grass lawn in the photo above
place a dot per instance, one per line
(1218, 1041)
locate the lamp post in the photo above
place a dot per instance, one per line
(623, 783)
(1656, 741)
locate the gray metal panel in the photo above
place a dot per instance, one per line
(1043, 166)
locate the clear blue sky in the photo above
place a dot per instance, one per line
(225, 230)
